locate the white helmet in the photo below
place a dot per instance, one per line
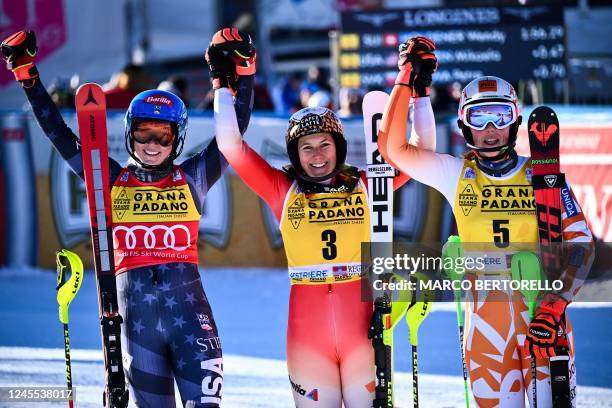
(489, 90)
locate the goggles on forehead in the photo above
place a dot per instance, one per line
(163, 135)
(500, 114)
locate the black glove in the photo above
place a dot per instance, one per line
(18, 51)
(417, 64)
(230, 54)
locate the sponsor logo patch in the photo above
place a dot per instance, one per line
(550, 180)
(487, 85)
(177, 176)
(204, 321)
(295, 212)
(570, 206)
(469, 173)
(468, 199)
(158, 100)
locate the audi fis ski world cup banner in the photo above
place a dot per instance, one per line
(510, 42)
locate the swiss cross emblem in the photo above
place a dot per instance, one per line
(46, 18)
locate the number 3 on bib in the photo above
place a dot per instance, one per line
(329, 239)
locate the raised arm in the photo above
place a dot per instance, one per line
(423, 135)
(18, 50)
(417, 157)
(266, 181)
(207, 166)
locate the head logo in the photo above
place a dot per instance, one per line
(158, 100)
(487, 85)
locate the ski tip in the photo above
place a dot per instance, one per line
(90, 95)
(375, 98)
(542, 112)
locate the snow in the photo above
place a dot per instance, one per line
(250, 308)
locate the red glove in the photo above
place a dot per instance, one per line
(18, 50)
(230, 54)
(417, 63)
(547, 329)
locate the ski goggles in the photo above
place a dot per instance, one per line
(158, 132)
(500, 114)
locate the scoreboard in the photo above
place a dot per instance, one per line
(510, 42)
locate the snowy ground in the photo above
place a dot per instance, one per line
(250, 307)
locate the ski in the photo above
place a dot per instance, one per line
(380, 197)
(91, 115)
(543, 130)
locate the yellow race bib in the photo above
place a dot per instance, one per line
(322, 234)
(499, 212)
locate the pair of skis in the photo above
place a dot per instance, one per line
(547, 180)
(387, 310)
(91, 114)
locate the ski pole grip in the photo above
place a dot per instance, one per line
(452, 251)
(67, 288)
(525, 266)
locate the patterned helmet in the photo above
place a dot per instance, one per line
(313, 120)
(157, 105)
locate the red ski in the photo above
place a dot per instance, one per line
(543, 129)
(91, 115)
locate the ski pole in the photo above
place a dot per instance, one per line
(453, 250)
(66, 291)
(416, 313)
(526, 266)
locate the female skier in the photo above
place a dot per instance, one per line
(322, 208)
(499, 335)
(169, 331)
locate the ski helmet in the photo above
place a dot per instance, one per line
(309, 121)
(499, 94)
(161, 106)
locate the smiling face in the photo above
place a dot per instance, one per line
(152, 152)
(490, 137)
(317, 154)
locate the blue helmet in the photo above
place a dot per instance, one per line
(157, 105)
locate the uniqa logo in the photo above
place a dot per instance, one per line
(149, 239)
(157, 100)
